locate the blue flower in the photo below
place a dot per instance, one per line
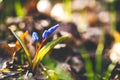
(35, 37)
(46, 33)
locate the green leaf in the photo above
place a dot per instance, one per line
(57, 73)
(62, 74)
(18, 8)
(49, 62)
(47, 48)
(88, 63)
(52, 75)
(24, 47)
(99, 51)
(109, 70)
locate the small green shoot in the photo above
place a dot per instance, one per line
(43, 50)
(46, 49)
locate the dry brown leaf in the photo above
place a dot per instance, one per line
(6, 50)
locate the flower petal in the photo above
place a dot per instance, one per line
(35, 37)
(45, 34)
(49, 31)
(52, 29)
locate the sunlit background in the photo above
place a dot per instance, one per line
(92, 23)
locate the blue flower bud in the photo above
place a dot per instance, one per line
(46, 33)
(35, 37)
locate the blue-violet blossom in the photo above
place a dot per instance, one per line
(35, 36)
(46, 33)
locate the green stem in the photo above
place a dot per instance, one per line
(88, 64)
(98, 57)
